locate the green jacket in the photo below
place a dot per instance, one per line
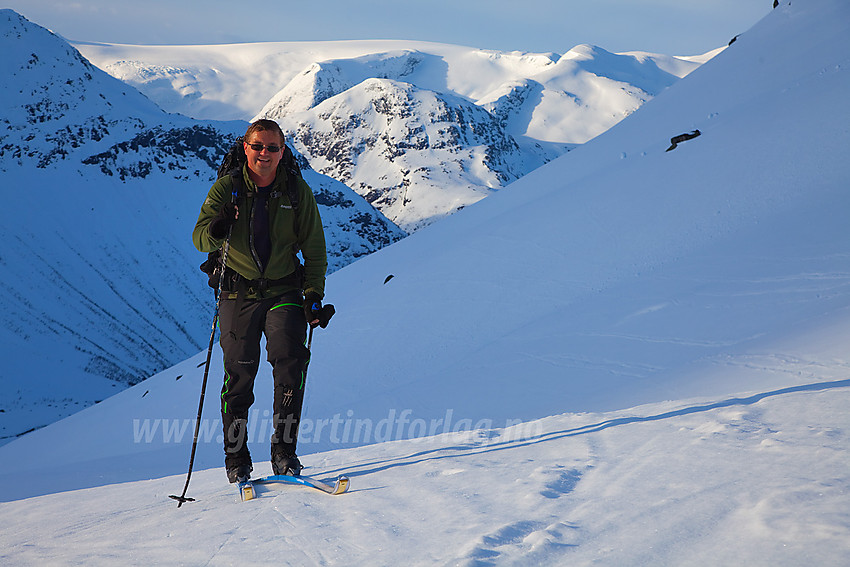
(282, 263)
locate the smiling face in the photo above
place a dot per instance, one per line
(262, 164)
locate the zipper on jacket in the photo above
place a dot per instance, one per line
(251, 247)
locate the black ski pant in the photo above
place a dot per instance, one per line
(282, 321)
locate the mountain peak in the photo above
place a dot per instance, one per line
(414, 153)
(54, 98)
(584, 51)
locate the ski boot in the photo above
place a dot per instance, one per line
(286, 464)
(239, 472)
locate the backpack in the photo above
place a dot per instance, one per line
(231, 164)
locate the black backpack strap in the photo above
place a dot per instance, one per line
(238, 182)
(293, 172)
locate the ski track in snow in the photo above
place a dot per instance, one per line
(655, 484)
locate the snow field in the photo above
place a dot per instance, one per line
(697, 482)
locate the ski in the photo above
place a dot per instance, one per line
(338, 487)
(247, 490)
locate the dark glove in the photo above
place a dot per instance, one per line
(222, 222)
(325, 315)
(312, 308)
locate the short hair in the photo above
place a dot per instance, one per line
(263, 125)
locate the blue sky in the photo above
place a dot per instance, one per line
(674, 27)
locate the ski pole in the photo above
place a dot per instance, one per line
(325, 315)
(182, 498)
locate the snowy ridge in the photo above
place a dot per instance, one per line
(323, 80)
(101, 279)
(706, 289)
(402, 122)
(209, 80)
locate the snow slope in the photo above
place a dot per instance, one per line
(716, 275)
(728, 482)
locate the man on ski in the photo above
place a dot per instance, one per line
(265, 290)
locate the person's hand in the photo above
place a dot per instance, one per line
(312, 308)
(325, 315)
(225, 218)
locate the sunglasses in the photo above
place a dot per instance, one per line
(257, 147)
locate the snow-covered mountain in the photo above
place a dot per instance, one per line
(419, 129)
(710, 283)
(413, 154)
(102, 188)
